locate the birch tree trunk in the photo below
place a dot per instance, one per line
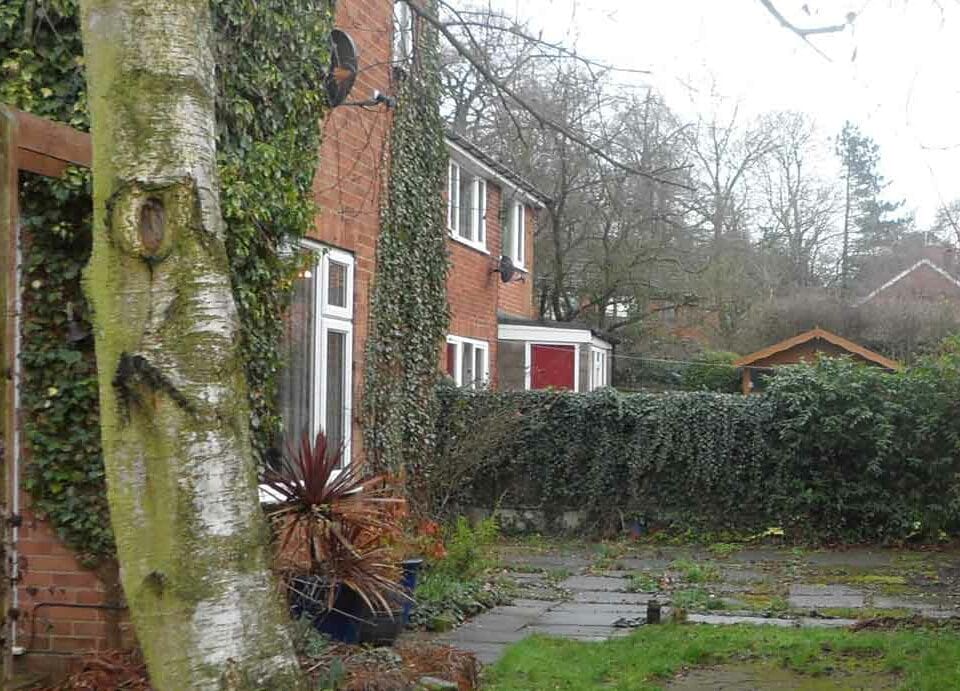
(180, 471)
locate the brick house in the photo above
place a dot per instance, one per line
(925, 281)
(67, 609)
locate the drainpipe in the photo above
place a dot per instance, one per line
(15, 446)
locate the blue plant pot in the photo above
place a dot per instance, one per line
(411, 572)
(341, 622)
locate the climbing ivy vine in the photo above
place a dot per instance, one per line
(409, 305)
(271, 59)
(271, 56)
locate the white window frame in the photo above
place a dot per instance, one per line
(339, 320)
(345, 259)
(346, 328)
(598, 371)
(403, 30)
(517, 218)
(458, 342)
(453, 197)
(478, 214)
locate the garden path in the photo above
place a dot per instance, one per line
(595, 592)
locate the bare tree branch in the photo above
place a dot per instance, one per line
(543, 119)
(805, 33)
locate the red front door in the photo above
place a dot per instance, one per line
(552, 366)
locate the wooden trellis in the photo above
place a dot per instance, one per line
(32, 144)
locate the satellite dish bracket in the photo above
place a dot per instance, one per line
(508, 271)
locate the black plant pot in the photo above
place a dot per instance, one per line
(381, 628)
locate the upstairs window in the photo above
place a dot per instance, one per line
(466, 206)
(403, 30)
(468, 362)
(515, 234)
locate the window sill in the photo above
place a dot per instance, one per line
(476, 246)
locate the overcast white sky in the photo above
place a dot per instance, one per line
(903, 88)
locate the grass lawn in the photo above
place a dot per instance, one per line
(651, 656)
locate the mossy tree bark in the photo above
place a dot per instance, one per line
(174, 414)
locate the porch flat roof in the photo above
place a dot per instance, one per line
(513, 328)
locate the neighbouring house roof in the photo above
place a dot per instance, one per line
(906, 272)
(513, 328)
(500, 172)
(812, 335)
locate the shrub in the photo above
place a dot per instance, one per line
(713, 371)
(468, 549)
(832, 451)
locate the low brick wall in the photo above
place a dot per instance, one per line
(66, 609)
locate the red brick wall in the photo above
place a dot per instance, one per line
(516, 297)
(475, 292)
(353, 159)
(51, 628)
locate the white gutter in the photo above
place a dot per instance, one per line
(483, 169)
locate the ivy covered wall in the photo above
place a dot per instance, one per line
(409, 309)
(838, 451)
(269, 109)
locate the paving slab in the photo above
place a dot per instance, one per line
(524, 577)
(729, 619)
(883, 602)
(580, 633)
(468, 635)
(828, 590)
(645, 563)
(614, 597)
(548, 562)
(527, 611)
(744, 576)
(753, 555)
(545, 595)
(816, 603)
(595, 583)
(494, 620)
(820, 623)
(583, 618)
(732, 588)
(620, 609)
(857, 558)
(937, 610)
(616, 573)
(824, 596)
(528, 603)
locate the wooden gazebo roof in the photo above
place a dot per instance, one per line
(813, 335)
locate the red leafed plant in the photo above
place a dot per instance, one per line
(330, 521)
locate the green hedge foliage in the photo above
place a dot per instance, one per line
(835, 451)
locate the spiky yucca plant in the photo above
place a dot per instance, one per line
(330, 521)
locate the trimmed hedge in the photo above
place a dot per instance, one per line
(835, 451)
